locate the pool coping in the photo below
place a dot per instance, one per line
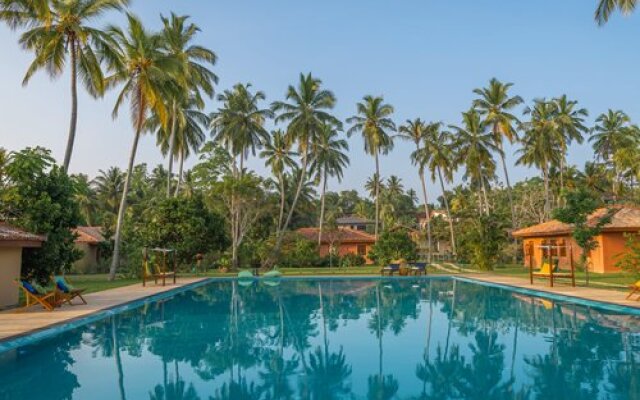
(28, 337)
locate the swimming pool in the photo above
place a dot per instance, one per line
(336, 338)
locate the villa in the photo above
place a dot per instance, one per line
(88, 241)
(12, 241)
(555, 237)
(354, 222)
(341, 241)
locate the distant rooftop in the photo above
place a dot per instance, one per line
(342, 235)
(11, 234)
(353, 220)
(89, 234)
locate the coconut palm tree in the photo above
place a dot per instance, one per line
(495, 105)
(416, 131)
(278, 156)
(607, 7)
(306, 110)
(60, 33)
(329, 160)
(438, 148)
(145, 72)
(196, 77)
(613, 133)
(541, 143)
(570, 123)
(474, 147)
(108, 187)
(189, 134)
(373, 120)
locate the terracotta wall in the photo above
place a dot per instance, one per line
(10, 262)
(89, 261)
(344, 249)
(565, 260)
(601, 260)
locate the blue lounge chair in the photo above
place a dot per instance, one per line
(419, 268)
(390, 269)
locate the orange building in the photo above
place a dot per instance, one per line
(341, 241)
(555, 237)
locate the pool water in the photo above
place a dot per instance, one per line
(337, 339)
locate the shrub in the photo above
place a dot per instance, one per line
(630, 259)
(352, 260)
(482, 241)
(393, 245)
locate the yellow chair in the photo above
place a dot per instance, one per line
(635, 289)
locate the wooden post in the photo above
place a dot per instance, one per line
(164, 267)
(550, 266)
(573, 271)
(144, 269)
(175, 267)
(531, 262)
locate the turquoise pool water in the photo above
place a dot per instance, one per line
(337, 339)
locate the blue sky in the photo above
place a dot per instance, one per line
(424, 56)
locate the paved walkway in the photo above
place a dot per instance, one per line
(17, 323)
(561, 288)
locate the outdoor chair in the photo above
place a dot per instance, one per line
(419, 268)
(36, 295)
(66, 291)
(634, 289)
(390, 269)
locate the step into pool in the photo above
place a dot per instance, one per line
(334, 338)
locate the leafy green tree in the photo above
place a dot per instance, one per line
(329, 160)
(495, 105)
(393, 245)
(183, 224)
(579, 213)
(59, 33)
(41, 199)
(373, 120)
(482, 241)
(144, 70)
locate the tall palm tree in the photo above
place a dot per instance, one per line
(108, 187)
(189, 132)
(196, 76)
(613, 133)
(416, 131)
(239, 126)
(329, 160)
(145, 72)
(373, 120)
(438, 147)
(60, 33)
(474, 147)
(570, 123)
(541, 143)
(306, 109)
(607, 7)
(278, 156)
(495, 105)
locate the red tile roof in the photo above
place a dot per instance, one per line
(10, 233)
(343, 235)
(89, 234)
(624, 219)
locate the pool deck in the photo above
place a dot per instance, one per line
(560, 288)
(14, 323)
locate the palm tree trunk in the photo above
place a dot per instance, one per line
(322, 197)
(280, 236)
(547, 200)
(172, 140)
(180, 174)
(426, 212)
(446, 206)
(123, 201)
(116, 356)
(74, 105)
(484, 193)
(509, 190)
(377, 183)
(282, 201)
